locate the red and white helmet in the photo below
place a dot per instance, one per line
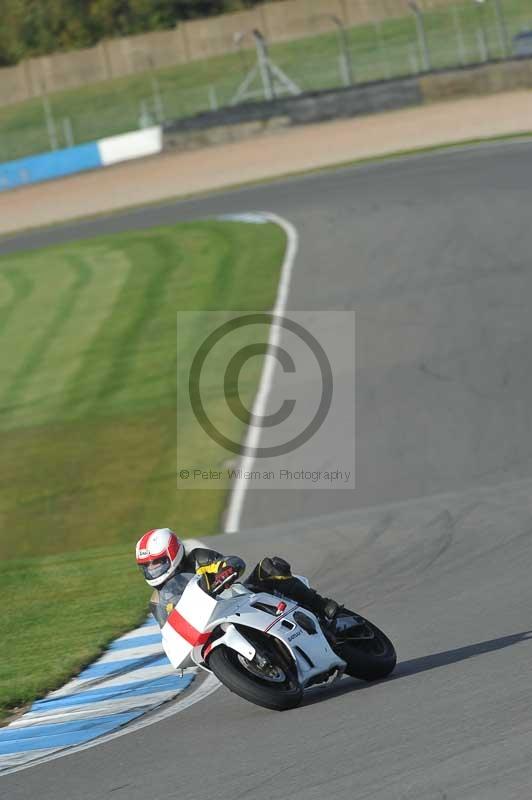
(159, 553)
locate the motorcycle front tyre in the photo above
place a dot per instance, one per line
(224, 663)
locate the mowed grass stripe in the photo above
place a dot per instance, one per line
(25, 328)
(43, 339)
(157, 259)
(88, 453)
(116, 363)
(18, 287)
(45, 388)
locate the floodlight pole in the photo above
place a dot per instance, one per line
(264, 64)
(265, 69)
(238, 38)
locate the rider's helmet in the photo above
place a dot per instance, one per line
(159, 553)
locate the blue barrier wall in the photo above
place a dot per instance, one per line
(49, 165)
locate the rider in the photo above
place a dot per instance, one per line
(168, 568)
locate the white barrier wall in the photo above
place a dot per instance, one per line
(137, 144)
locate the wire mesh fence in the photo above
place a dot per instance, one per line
(469, 32)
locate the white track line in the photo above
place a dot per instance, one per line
(236, 500)
(207, 687)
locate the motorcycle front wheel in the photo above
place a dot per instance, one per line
(267, 685)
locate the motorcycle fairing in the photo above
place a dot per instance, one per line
(186, 625)
(190, 625)
(311, 652)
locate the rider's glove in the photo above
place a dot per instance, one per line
(223, 578)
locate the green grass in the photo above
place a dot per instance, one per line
(88, 427)
(59, 612)
(378, 52)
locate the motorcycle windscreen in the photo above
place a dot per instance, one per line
(185, 627)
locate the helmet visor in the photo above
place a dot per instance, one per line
(154, 569)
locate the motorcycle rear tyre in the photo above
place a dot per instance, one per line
(366, 665)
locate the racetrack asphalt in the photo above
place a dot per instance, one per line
(434, 545)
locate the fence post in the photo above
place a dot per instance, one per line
(421, 34)
(342, 69)
(382, 50)
(182, 26)
(145, 118)
(106, 60)
(481, 41)
(157, 99)
(50, 124)
(481, 33)
(414, 63)
(459, 34)
(345, 53)
(213, 99)
(26, 71)
(503, 28)
(345, 60)
(67, 132)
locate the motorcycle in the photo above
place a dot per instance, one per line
(268, 649)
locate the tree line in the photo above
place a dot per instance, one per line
(36, 27)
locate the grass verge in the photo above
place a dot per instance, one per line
(88, 422)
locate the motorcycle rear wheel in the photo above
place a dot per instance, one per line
(368, 659)
(273, 693)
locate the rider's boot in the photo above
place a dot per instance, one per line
(324, 607)
(330, 609)
(275, 573)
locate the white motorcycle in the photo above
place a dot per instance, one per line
(268, 649)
